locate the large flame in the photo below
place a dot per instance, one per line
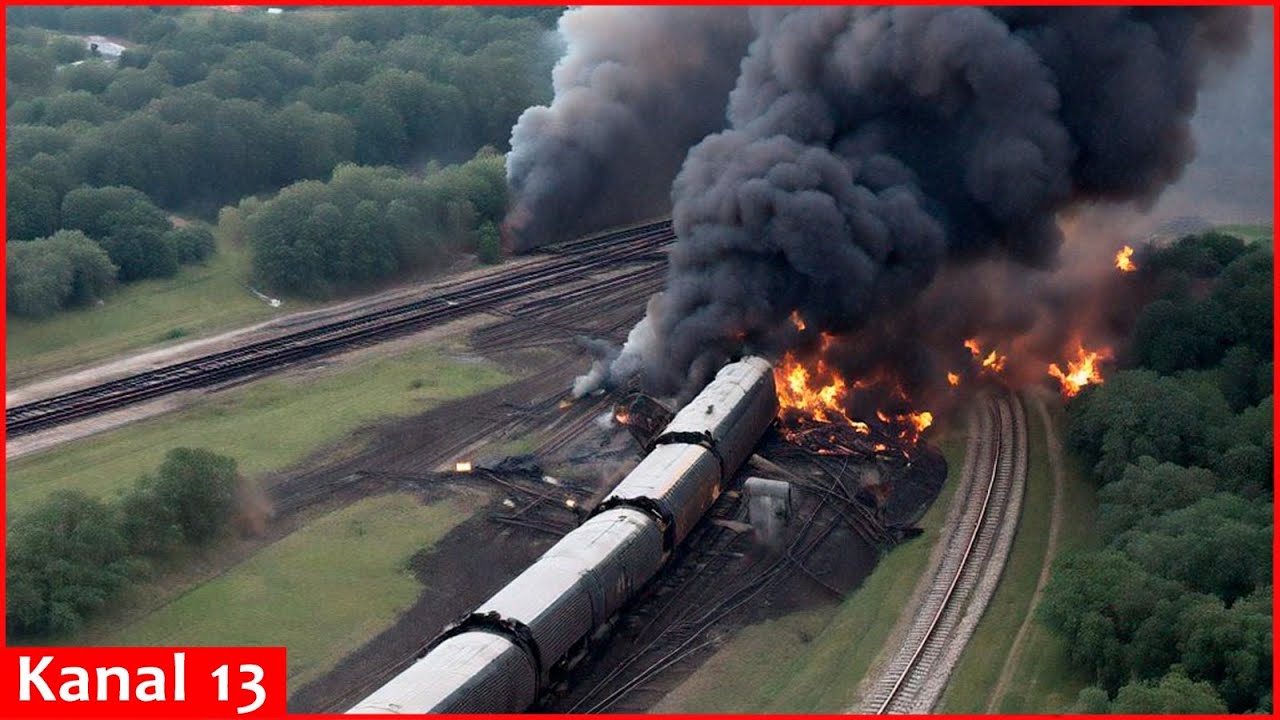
(820, 394)
(1083, 370)
(801, 390)
(1124, 260)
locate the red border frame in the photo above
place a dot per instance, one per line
(1275, 281)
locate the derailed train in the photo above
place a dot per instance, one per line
(502, 657)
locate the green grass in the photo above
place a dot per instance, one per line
(980, 665)
(1252, 233)
(267, 425)
(1043, 680)
(813, 661)
(199, 300)
(321, 592)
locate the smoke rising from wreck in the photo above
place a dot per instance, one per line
(636, 88)
(898, 176)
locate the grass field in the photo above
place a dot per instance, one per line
(321, 592)
(1042, 681)
(199, 300)
(266, 425)
(1252, 233)
(813, 661)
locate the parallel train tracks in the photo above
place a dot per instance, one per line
(564, 263)
(969, 569)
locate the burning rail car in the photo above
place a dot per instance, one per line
(504, 656)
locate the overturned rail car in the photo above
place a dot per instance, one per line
(505, 655)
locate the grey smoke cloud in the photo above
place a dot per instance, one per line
(635, 89)
(870, 149)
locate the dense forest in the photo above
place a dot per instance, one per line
(204, 108)
(1171, 612)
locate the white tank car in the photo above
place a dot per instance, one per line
(703, 446)
(499, 658)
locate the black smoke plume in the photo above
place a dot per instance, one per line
(898, 176)
(635, 90)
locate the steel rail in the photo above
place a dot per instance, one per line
(955, 580)
(448, 301)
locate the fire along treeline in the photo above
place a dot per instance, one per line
(893, 175)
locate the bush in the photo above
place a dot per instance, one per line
(48, 274)
(65, 559)
(489, 246)
(197, 488)
(191, 244)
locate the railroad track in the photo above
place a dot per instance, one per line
(690, 616)
(969, 569)
(637, 246)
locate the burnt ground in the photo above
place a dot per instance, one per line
(845, 510)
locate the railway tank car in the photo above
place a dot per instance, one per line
(502, 657)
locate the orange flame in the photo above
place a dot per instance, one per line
(953, 379)
(622, 417)
(797, 321)
(822, 395)
(993, 361)
(798, 390)
(1084, 370)
(1124, 260)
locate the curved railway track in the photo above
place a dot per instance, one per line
(637, 246)
(970, 566)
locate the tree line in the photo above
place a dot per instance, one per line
(109, 233)
(67, 557)
(1172, 612)
(207, 108)
(367, 224)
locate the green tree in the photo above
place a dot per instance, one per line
(1092, 700)
(1244, 293)
(48, 274)
(67, 50)
(31, 207)
(198, 488)
(28, 66)
(1230, 648)
(148, 523)
(1098, 602)
(1137, 413)
(489, 246)
(64, 559)
(1186, 545)
(1175, 693)
(132, 89)
(192, 244)
(1175, 335)
(91, 77)
(1149, 488)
